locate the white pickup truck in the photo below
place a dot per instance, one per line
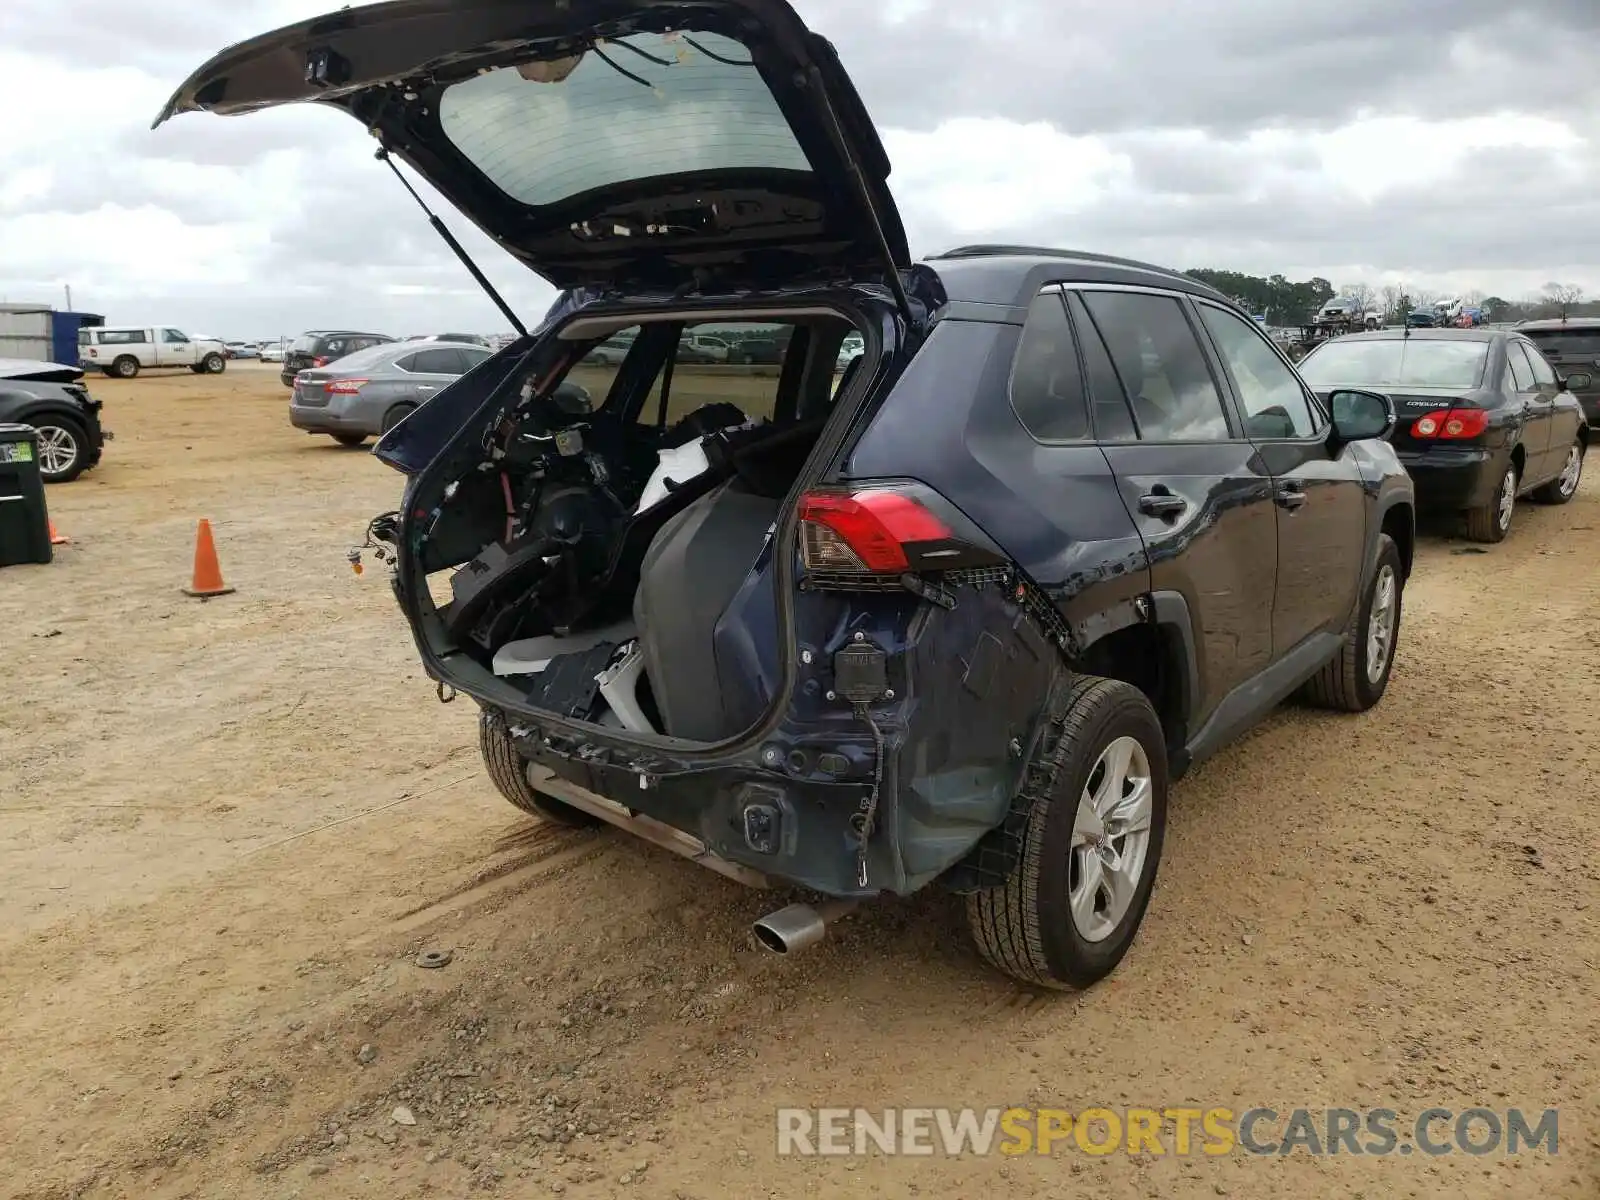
(125, 350)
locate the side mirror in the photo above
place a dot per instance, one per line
(1578, 381)
(1359, 415)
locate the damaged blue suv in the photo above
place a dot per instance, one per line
(956, 615)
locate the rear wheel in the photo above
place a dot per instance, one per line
(1358, 675)
(1096, 790)
(510, 774)
(1565, 485)
(1492, 521)
(125, 366)
(63, 448)
(351, 440)
(395, 415)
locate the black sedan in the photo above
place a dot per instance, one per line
(1484, 419)
(52, 398)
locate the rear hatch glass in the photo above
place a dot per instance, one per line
(1567, 345)
(673, 104)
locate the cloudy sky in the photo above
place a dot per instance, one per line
(1446, 144)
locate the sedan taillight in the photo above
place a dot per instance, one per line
(343, 387)
(1451, 424)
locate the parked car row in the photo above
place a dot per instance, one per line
(1065, 526)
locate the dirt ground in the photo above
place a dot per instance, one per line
(227, 829)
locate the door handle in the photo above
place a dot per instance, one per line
(1162, 504)
(1290, 497)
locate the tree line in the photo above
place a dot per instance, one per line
(1288, 302)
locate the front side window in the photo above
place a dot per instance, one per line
(173, 335)
(1274, 403)
(1160, 365)
(1047, 391)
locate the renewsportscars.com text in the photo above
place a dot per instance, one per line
(1175, 1130)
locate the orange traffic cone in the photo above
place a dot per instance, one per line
(58, 539)
(207, 573)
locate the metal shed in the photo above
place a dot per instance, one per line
(25, 331)
(38, 331)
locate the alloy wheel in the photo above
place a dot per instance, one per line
(58, 450)
(1381, 623)
(1508, 498)
(1110, 839)
(1571, 472)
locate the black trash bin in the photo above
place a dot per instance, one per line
(24, 519)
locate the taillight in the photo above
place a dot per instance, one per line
(343, 387)
(1451, 423)
(320, 360)
(863, 531)
(888, 529)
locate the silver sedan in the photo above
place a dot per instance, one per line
(371, 391)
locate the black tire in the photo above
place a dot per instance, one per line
(1345, 684)
(395, 415)
(124, 366)
(286, 380)
(213, 364)
(352, 440)
(1559, 490)
(65, 433)
(1486, 523)
(510, 774)
(1025, 926)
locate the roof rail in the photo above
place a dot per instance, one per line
(994, 250)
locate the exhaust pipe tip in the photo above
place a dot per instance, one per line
(797, 927)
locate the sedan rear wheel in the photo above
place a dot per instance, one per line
(1492, 521)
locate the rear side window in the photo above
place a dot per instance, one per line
(437, 362)
(123, 337)
(1521, 372)
(1047, 391)
(1543, 374)
(336, 347)
(1108, 406)
(1161, 366)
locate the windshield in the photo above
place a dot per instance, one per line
(646, 106)
(1559, 343)
(1396, 362)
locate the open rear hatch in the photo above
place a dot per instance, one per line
(609, 142)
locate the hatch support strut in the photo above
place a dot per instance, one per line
(863, 192)
(443, 231)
